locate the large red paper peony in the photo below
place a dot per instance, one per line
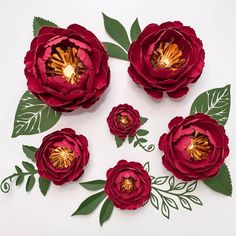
(62, 156)
(128, 185)
(166, 58)
(67, 68)
(123, 121)
(195, 147)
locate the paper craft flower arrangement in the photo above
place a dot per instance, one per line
(68, 68)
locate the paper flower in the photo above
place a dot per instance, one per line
(195, 147)
(166, 58)
(62, 156)
(123, 121)
(128, 185)
(67, 68)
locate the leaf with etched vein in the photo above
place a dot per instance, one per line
(44, 185)
(106, 211)
(29, 152)
(165, 210)
(142, 132)
(33, 117)
(131, 139)
(94, 185)
(184, 202)
(119, 141)
(143, 120)
(161, 180)
(171, 181)
(146, 166)
(28, 166)
(191, 187)
(194, 199)
(180, 186)
(30, 183)
(154, 201)
(215, 103)
(171, 202)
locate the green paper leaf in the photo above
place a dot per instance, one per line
(117, 31)
(184, 202)
(161, 180)
(136, 143)
(146, 166)
(29, 152)
(180, 186)
(18, 170)
(154, 201)
(171, 181)
(44, 185)
(142, 132)
(106, 211)
(90, 204)
(143, 120)
(142, 140)
(28, 166)
(221, 182)
(215, 103)
(191, 187)
(131, 139)
(33, 117)
(116, 51)
(171, 202)
(165, 210)
(119, 141)
(194, 199)
(135, 30)
(30, 183)
(40, 22)
(94, 185)
(19, 180)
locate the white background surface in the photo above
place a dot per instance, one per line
(30, 214)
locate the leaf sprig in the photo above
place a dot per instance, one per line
(29, 172)
(138, 139)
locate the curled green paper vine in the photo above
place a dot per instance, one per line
(30, 171)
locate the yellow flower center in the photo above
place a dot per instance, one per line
(123, 120)
(127, 184)
(61, 157)
(199, 147)
(168, 56)
(67, 64)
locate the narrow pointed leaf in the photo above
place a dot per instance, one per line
(161, 180)
(28, 166)
(171, 181)
(143, 120)
(29, 152)
(131, 139)
(33, 117)
(136, 143)
(221, 182)
(40, 22)
(30, 183)
(194, 199)
(191, 187)
(154, 201)
(135, 30)
(184, 202)
(119, 141)
(215, 103)
(116, 51)
(171, 202)
(18, 170)
(165, 210)
(117, 31)
(90, 204)
(44, 185)
(94, 185)
(19, 180)
(142, 132)
(106, 211)
(180, 186)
